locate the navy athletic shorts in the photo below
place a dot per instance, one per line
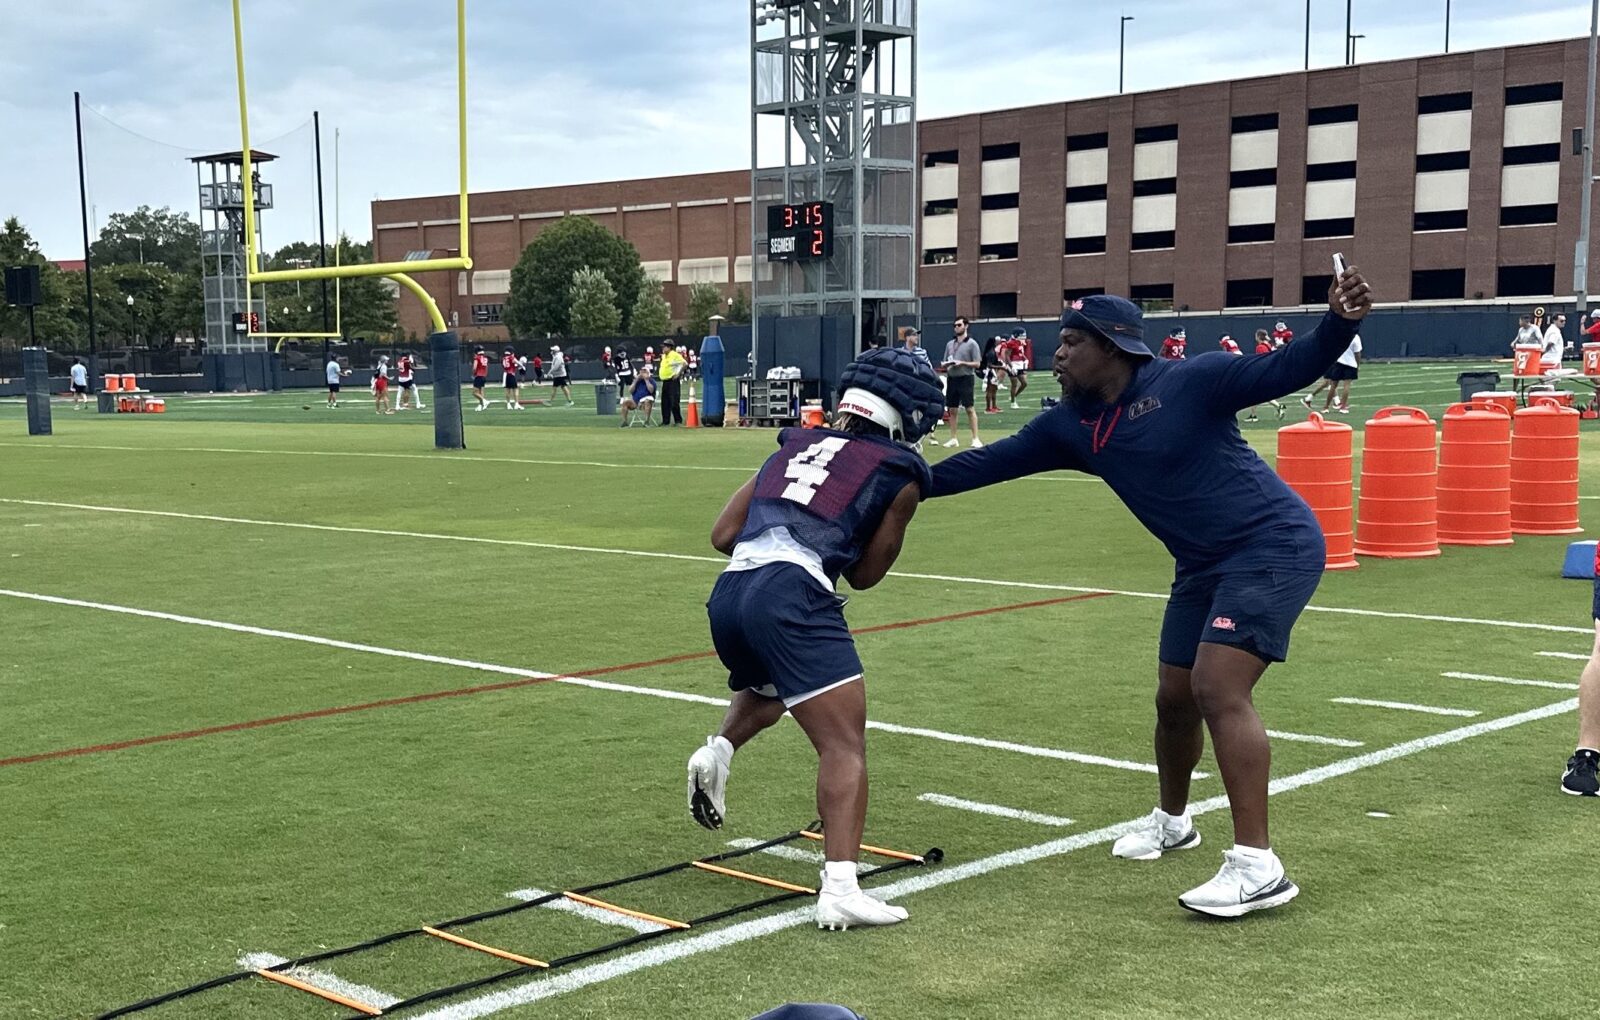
(781, 633)
(1597, 596)
(1252, 609)
(478, 381)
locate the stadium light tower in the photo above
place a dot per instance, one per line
(833, 158)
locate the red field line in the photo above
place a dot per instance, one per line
(505, 685)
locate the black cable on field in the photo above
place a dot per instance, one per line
(933, 856)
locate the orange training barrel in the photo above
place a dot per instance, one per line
(1591, 359)
(1544, 470)
(1525, 362)
(1399, 516)
(1475, 475)
(1314, 459)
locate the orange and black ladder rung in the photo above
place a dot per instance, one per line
(278, 972)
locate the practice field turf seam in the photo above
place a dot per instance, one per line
(525, 678)
(995, 810)
(571, 981)
(902, 575)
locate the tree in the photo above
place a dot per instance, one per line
(149, 235)
(739, 311)
(705, 300)
(592, 304)
(54, 324)
(538, 302)
(652, 316)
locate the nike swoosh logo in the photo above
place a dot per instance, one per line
(1246, 895)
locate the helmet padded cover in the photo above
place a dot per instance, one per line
(905, 381)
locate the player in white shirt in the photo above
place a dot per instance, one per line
(1554, 346)
(380, 385)
(80, 385)
(334, 374)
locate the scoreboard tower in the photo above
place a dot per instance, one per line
(834, 161)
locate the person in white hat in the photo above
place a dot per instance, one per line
(558, 374)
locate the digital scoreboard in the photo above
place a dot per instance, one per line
(799, 233)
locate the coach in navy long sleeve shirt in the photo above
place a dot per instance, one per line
(1169, 447)
(1249, 552)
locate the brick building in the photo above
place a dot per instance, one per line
(1446, 178)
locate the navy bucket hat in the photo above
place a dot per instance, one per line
(1116, 319)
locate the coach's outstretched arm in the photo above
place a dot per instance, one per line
(1033, 450)
(1238, 383)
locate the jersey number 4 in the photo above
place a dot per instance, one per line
(809, 469)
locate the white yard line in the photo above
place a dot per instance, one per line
(904, 575)
(587, 912)
(978, 807)
(1006, 745)
(1488, 678)
(676, 949)
(1572, 656)
(576, 681)
(322, 979)
(788, 853)
(1465, 713)
(1308, 738)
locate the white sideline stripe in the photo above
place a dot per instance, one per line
(994, 809)
(950, 578)
(677, 949)
(576, 681)
(587, 912)
(1308, 738)
(1511, 680)
(1465, 713)
(1006, 745)
(322, 979)
(788, 853)
(1573, 656)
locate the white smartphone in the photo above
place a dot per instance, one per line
(1338, 274)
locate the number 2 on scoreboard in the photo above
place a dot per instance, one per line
(816, 243)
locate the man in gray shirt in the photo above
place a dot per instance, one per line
(961, 362)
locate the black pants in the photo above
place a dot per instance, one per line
(670, 396)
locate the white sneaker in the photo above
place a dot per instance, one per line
(977, 444)
(1161, 832)
(1243, 885)
(422, 407)
(1014, 406)
(952, 444)
(708, 782)
(839, 912)
(1306, 400)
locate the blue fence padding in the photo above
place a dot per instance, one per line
(1580, 561)
(810, 1011)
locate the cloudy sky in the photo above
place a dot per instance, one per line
(563, 93)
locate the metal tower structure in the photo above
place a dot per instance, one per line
(222, 251)
(834, 120)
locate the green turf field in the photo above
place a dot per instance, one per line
(352, 778)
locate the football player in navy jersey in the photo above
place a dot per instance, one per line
(830, 502)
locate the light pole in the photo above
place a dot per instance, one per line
(134, 319)
(1122, 49)
(1580, 261)
(1348, 25)
(1447, 26)
(1308, 35)
(1353, 47)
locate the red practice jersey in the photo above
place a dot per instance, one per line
(1282, 336)
(1172, 348)
(508, 362)
(1263, 346)
(480, 364)
(1230, 345)
(405, 367)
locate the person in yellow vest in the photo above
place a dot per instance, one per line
(673, 365)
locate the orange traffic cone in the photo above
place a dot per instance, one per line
(693, 421)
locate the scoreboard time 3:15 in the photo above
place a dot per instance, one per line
(799, 233)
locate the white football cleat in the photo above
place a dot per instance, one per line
(708, 783)
(1160, 833)
(952, 443)
(1243, 885)
(977, 444)
(842, 911)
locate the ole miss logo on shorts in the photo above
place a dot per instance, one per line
(1223, 623)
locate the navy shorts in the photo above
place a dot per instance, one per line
(1597, 596)
(478, 381)
(780, 633)
(1249, 609)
